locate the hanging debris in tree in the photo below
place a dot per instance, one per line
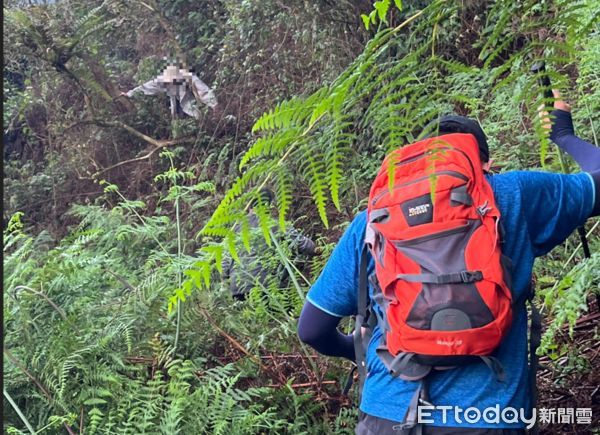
(183, 88)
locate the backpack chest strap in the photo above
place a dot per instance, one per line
(462, 277)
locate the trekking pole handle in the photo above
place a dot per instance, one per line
(539, 70)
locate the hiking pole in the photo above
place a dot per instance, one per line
(539, 70)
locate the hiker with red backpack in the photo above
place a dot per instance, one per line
(438, 271)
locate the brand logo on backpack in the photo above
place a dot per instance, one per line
(418, 211)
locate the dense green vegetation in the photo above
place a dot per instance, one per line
(117, 218)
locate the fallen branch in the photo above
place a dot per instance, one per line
(284, 356)
(122, 280)
(229, 338)
(139, 359)
(586, 320)
(303, 385)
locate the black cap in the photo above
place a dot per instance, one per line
(459, 124)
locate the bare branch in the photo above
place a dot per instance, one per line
(158, 143)
(122, 280)
(45, 297)
(161, 144)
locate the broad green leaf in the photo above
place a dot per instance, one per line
(366, 20)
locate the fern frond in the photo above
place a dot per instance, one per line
(283, 193)
(314, 170)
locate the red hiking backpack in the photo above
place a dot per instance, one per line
(433, 230)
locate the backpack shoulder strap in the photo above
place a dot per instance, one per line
(363, 289)
(535, 337)
(360, 339)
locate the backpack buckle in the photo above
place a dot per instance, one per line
(468, 276)
(483, 209)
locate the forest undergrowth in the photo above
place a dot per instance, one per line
(117, 219)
